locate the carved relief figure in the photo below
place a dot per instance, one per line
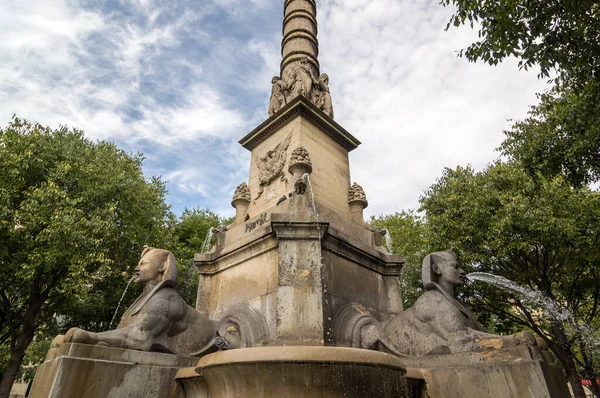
(271, 165)
(438, 323)
(278, 95)
(300, 79)
(159, 320)
(321, 95)
(303, 79)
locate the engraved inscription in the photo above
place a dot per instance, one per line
(250, 226)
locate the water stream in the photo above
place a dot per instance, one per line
(206, 244)
(110, 325)
(536, 299)
(388, 240)
(312, 194)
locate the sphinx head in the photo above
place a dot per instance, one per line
(441, 268)
(155, 266)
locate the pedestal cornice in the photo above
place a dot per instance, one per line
(300, 106)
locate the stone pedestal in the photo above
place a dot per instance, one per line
(505, 373)
(290, 273)
(299, 124)
(300, 281)
(79, 370)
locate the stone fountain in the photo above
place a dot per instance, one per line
(298, 296)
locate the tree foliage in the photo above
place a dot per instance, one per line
(409, 234)
(561, 135)
(556, 35)
(189, 234)
(539, 232)
(74, 215)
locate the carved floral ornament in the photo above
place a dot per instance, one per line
(357, 193)
(300, 155)
(242, 192)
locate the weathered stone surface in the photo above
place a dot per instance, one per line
(75, 371)
(527, 379)
(438, 323)
(159, 320)
(270, 166)
(327, 143)
(295, 372)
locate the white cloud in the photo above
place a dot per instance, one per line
(183, 82)
(399, 87)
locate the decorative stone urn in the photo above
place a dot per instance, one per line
(357, 199)
(300, 162)
(241, 201)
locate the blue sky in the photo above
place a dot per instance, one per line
(184, 80)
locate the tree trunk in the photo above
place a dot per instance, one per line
(595, 387)
(562, 350)
(564, 356)
(12, 369)
(23, 338)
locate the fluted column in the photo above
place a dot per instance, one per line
(299, 35)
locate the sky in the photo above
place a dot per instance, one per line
(183, 80)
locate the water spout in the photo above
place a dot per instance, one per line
(110, 326)
(206, 244)
(388, 240)
(530, 296)
(312, 194)
(537, 299)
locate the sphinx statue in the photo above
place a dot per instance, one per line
(438, 323)
(159, 320)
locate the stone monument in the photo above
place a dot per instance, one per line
(302, 287)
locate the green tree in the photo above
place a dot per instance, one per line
(409, 233)
(539, 232)
(561, 135)
(558, 36)
(74, 215)
(190, 233)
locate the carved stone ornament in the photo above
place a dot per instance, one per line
(300, 155)
(159, 320)
(438, 323)
(301, 79)
(271, 165)
(241, 192)
(356, 193)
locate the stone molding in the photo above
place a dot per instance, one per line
(213, 263)
(384, 264)
(300, 106)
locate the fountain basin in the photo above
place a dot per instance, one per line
(298, 371)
